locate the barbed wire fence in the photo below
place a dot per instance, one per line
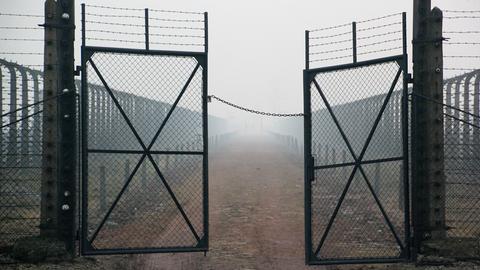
(139, 28)
(21, 108)
(462, 121)
(360, 40)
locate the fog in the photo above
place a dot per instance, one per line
(256, 53)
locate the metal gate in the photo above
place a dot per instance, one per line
(356, 161)
(144, 150)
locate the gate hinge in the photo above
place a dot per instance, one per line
(77, 71)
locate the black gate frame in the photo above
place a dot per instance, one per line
(202, 61)
(309, 164)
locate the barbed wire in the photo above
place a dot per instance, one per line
(114, 8)
(330, 36)
(330, 27)
(380, 35)
(37, 103)
(379, 42)
(143, 17)
(380, 18)
(256, 111)
(22, 53)
(462, 32)
(330, 43)
(444, 105)
(330, 58)
(21, 15)
(20, 28)
(141, 25)
(379, 26)
(453, 68)
(462, 56)
(330, 51)
(20, 39)
(143, 34)
(461, 43)
(141, 9)
(461, 17)
(382, 50)
(177, 11)
(462, 11)
(143, 42)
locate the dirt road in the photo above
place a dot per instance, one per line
(256, 210)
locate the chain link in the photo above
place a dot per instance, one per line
(257, 112)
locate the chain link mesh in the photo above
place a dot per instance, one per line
(136, 195)
(359, 229)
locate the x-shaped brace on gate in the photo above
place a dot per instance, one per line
(146, 152)
(358, 163)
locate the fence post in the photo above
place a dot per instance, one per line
(67, 124)
(48, 205)
(427, 125)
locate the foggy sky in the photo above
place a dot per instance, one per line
(257, 46)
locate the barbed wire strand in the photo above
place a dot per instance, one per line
(462, 11)
(142, 17)
(256, 111)
(330, 36)
(21, 15)
(378, 27)
(330, 27)
(143, 34)
(20, 28)
(141, 25)
(141, 9)
(461, 17)
(380, 18)
(151, 42)
(330, 43)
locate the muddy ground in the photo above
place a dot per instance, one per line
(256, 217)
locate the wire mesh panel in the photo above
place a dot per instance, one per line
(356, 184)
(145, 159)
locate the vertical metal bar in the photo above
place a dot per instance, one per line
(84, 30)
(308, 167)
(405, 132)
(354, 41)
(84, 246)
(205, 21)
(147, 34)
(307, 50)
(205, 136)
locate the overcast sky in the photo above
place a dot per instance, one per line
(257, 46)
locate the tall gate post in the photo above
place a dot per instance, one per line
(428, 173)
(67, 130)
(48, 212)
